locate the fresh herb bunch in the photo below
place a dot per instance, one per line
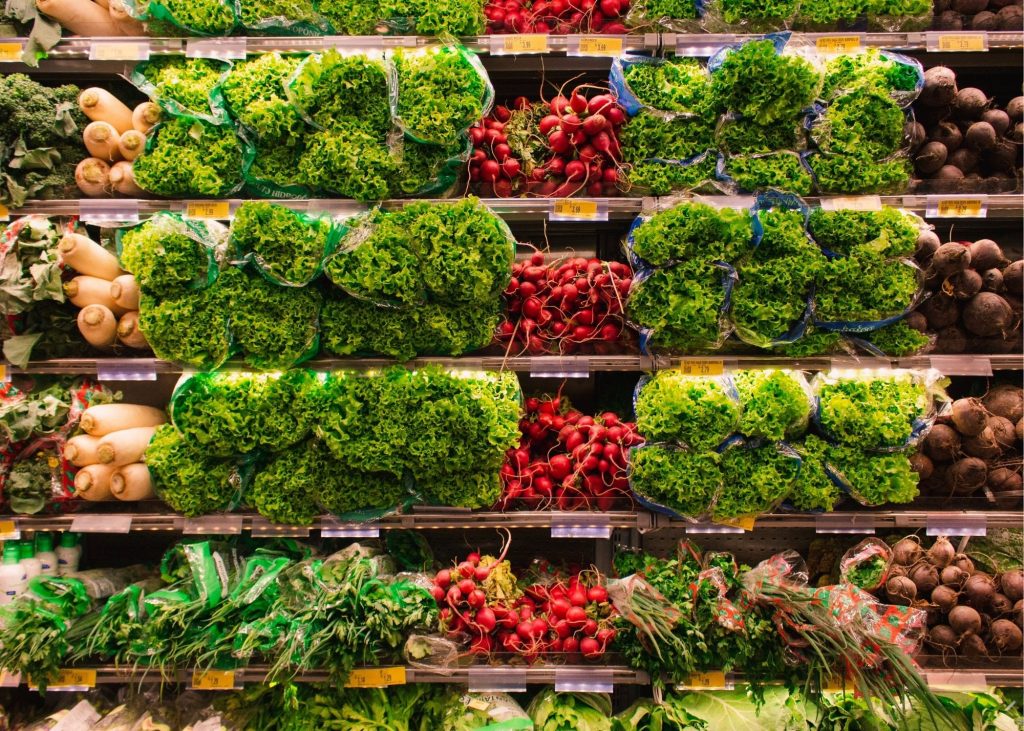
(744, 136)
(871, 412)
(776, 403)
(190, 329)
(693, 232)
(187, 156)
(167, 256)
(679, 84)
(756, 479)
(440, 94)
(869, 68)
(186, 478)
(757, 81)
(287, 246)
(859, 173)
(207, 17)
(842, 231)
(814, 489)
(681, 305)
(255, 93)
(778, 170)
(865, 122)
(648, 136)
(663, 178)
(275, 327)
(699, 412)
(30, 481)
(898, 339)
(865, 287)
(771, 297)
(874, 479)
(188, 83)
(685, 481)
(349, 162)
(336, 91)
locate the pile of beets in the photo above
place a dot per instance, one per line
(565, 307)
(553, 149)
(567, 460)
(556, 16)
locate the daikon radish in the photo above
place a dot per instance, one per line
(122, 179)
(103, 3)
(125, 291)
(102, 140)
(85, 256)
(126, 24)
(125, 446)
(81, 450)
(132, 144)
(83, 17)
(100, 105)
(93, 482)
(132, 482)
(93, 177)
(128, 331)
(98, 325)
(103, 419)
(84, 290)
(146, 116)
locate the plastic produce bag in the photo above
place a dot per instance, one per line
(777, 404)
(866, 565)
(281, 18)
(39, 478)
(784, 171)
(757, 477)
(674, 16)
(188, 479)
(673, 88)
(747, 16)
(195, 17)
(428, 170)
(659, 177)
(857, 173)
(190, 329)
(271, 171)
(168, 255)
(872, 478)
(866, 291)
(185, 86)
(185, 156)
(699, 412)
(901, 76)
(677, 482)
(689, 230)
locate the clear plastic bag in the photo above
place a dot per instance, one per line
(677, 482)
(673, 88)
(195, 17)
(866, 565)
(688, 229)
(697, 411)
(185, 87)
(777, 403)
(659, 177)
(666, 15)
(281, 18)
(866, 291)
(901, 75)
(783, 170)
(758, 476)
(168, 255)
(854, 173)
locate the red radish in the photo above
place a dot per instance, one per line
(577, 100)
(590, 648)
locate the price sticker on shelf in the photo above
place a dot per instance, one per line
(9, 531)
(376, 677)
(208, 209)
(595, 45)
(102, 523)
(5, 375)
(516, 44)
(578, 209)
(119, 51)
(213, 679)
(835, 45)
(957, 207)
(711, 680)
(701, 367)
(5, 214)
(956, 42)
(745, 523)
(217, 48)
(69, 679)
(852, 203)
(10, 52)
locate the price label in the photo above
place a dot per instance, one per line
(9, 531)
(525, 43)
(10, 52)
(600, 46)
(53, 462)
(478, 704)
(208, 209)
(701, 367)
(960, 42)
(70, 679)
(578, 209)
(960, 208)
(4, 375)
(838, 44)
(853, 203)
(713, 680)
(213, 679)
(5, 214)
(114, 51)
(101, 523)
(376, 677)
(746, 523)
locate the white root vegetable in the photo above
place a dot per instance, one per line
(124, 446)
(125, 291)
(103, 3)
(83, 17)
(102, 140)
(98, 325)
(93, 177)
(146, 116)
(81, 450)
(86, 256)
(84, 290)
(122, 179)
(100, 105)
(103, 419)
(132, 482)
(128, 331)
(126, 24)
(132, 144)
(93, 482)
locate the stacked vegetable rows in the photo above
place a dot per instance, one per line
(736, 446)
(776, 278)
(297, 444)
(762, 115)
(424, 279)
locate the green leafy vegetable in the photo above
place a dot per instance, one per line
(756, 479)
(869, 68)
(283, 490)
(865, 287)
(898, 339)
(842, 231)
(648, 136)
(756, 81)
(349, 162)
(167, 256)
(859, 173)
(693, 232)
(681, 306)
(699, 412)
(678, 84)
(185, 85)
(662, 178)
(874, 479)
(871, 412)
(186, 478)
(30, 271)
(864, 122)
(208, 17)
(440, 94)
(814, 489)
(288, 247)
(337, 91)
(687, 482)
(190, 329)
(188, 156)
(776, 403)
(255, 93)
(742, 136)
(778, 170)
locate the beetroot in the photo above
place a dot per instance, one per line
(970, 103)
(987, 314)
(1005, 400)
(1004, 479)
(969, 416)
(963, 285)
(939, 87)
(942, 443)
(982, 446)
(965, 620)
(1012, 584)
(979, 590)
(940, 311)
(1003, 432)
(986, 254)
(966, 476)
(944, 597)
(931, 157)
(942, 637)
(1006, 636)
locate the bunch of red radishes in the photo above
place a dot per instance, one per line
(556, 16)
(578, 615)
(564, 307)
(568, 460)
(493, 166)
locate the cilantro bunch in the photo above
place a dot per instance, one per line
(687, 482)
(699, 412)
(757, 81)
(871, 412)
(692, 231)
(776, 403)
(186, 478)
(187, 156)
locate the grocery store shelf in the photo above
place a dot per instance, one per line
(853, 522)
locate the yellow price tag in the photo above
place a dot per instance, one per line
(208, 209)
(3, 372)
(213, 679)
(695, 367)
(10, 52)
(600, 46)
(117, 51)
(571, 208)
(376, 677)
(746, 523)
(70, 678)
(960, 208)
(9, 531)
(5, 214)
(713, 680)
(525, 43)
(479, 705)
(962, 42)
(838, 44)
